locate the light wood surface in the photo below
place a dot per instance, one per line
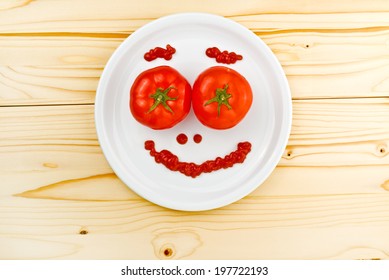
(327, 199)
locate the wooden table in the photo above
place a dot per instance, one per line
(327, 199)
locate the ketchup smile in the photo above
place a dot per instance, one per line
(193, 170)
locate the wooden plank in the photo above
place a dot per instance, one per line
(66, 69)
(50, 142)
(59, 197)
(53, 70)
(39, 85)
(126, 16)
(285, 227)
(342, 143)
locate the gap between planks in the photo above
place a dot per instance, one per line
(47, 105)
(91, 103)
(124, 35)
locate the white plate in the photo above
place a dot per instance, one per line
(266, 126)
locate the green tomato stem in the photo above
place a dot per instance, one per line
(160, 97)
(221, 98)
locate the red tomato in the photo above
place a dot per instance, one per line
(160, 97)
(221, 97)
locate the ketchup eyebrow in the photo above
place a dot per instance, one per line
(159, 52)
(224, 57)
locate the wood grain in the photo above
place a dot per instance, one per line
(58, 57)
(126, 16)
(327, 199)
(354, 226)
(62, 196)
(66, 69)
(58, 145)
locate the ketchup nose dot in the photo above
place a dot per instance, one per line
(182, 138)
(197, 138)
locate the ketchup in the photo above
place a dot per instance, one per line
(224, 56)
(159, 52)
(182, 138)
(193, 170)
(197, 138)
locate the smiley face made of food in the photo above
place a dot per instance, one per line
(161, 97)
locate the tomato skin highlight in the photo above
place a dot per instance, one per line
(166, 114)
(234, 101)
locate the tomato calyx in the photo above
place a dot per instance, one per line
(160, 97)
(221, 98)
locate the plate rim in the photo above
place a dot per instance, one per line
(105, 144)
